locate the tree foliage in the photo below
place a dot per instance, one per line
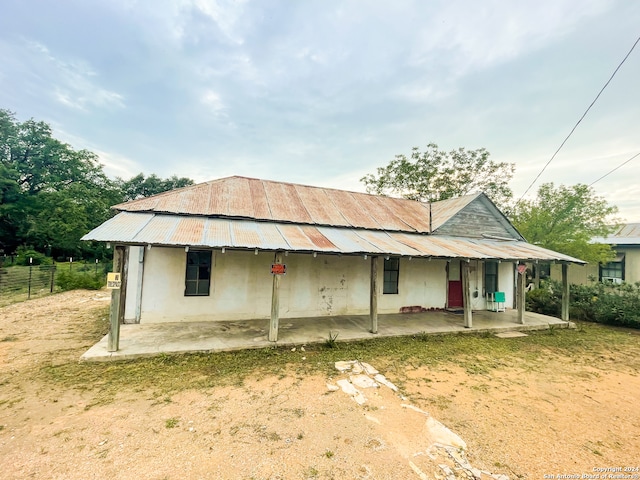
(565, 219)
(435, 175)
(52, 194)
(139, 186)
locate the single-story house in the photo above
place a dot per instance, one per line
(241, 248)
(625, 267)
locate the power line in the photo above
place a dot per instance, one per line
(610, 172)
(581, 118)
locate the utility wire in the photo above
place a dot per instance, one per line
(610, 172)
(581, 118)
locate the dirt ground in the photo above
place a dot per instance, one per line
(570, 415)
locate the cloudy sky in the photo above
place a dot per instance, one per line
(322, 92)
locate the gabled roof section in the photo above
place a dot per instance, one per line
(473, 216)
(628, 234)
(443, 210)
(264, 200)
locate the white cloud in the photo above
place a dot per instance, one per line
(73, 83)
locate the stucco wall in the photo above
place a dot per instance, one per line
(632, 263)
(325, 285)
(578, 274)
(242, 282)
(135, 266)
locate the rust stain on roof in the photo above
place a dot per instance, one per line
(178, 230)
(249, 198)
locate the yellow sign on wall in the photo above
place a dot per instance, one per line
(114, 281)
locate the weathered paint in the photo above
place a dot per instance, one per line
(479, 217)
(250, 198)
(134, 285)
(241, 286)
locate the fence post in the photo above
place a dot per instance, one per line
(30, 268)
(53, 269)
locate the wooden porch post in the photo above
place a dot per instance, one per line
(520, 294)
(138, 313)
(275, 302)
(565, 292)
(373, 295)
(116, 311)
(466, 294)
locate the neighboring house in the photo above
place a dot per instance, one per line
(625, 267)
(625, 241)
(207, 251)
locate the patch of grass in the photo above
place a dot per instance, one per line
(9, 338)
(165, 375)
(329, 454)
(171, 422)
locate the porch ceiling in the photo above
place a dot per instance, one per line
(179, 230)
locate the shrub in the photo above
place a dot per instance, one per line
(24, 254)
(68, 280)
(602, 303)
(546, 300)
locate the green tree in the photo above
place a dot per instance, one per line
(139, 186)
(435, 175)
(565, 219)
(51, 193)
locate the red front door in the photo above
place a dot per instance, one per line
(454, 299)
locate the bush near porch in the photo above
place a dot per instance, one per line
(600, 302)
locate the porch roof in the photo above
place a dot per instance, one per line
(205, 232)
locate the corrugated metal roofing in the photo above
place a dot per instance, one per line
(250, 198)
(628, 234)
(178, 230)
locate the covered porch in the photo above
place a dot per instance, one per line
(143, 340)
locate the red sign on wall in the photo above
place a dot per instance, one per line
(522, 268)
(278, 268)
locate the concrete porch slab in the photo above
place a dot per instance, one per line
(143, 340)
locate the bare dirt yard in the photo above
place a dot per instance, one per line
(553, 403)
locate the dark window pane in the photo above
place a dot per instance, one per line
(203, 287)
(198, 273)
(391, 275)
(203, 273)
(190, 288)
(491, 277)
(192, 272)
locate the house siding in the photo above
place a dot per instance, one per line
(313, 286)
(478, 218)
(582, 274)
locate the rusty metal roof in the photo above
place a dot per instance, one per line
(209, 232)
(628, 234)
(251, 198)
